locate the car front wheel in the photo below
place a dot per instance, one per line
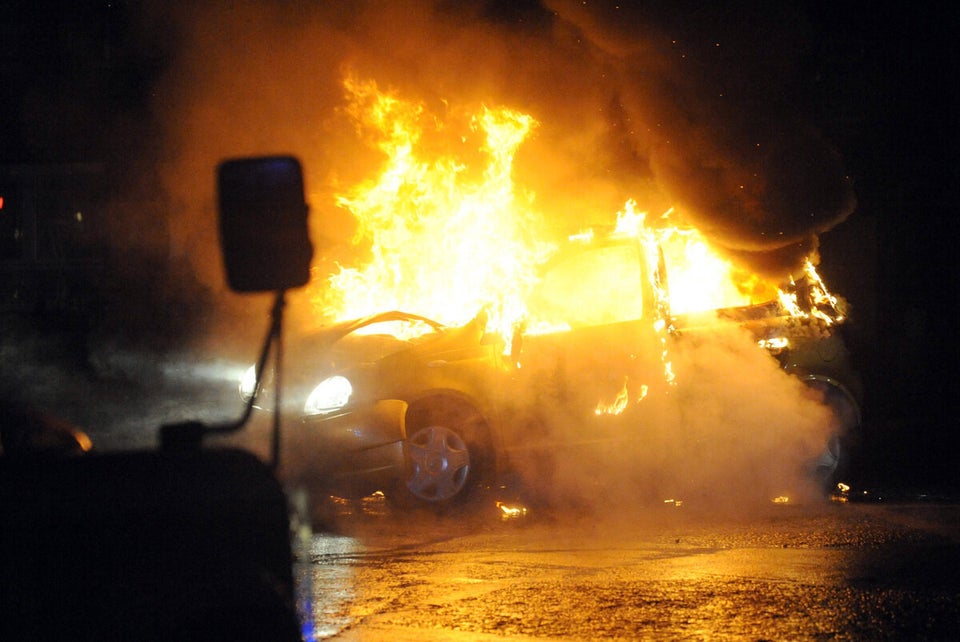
(444, 454)
(438, 464)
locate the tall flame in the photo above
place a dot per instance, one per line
(449, 233)
(701, 279)
(446, 238)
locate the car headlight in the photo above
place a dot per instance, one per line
(330, 394)
(248, 383)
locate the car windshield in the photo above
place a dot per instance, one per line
(376, 340)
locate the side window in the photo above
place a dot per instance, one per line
(594, 287)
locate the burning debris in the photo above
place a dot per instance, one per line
(511, 511)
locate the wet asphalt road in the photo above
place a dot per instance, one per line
(830, 571)
(879, 570)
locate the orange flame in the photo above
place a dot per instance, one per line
(619, 404)
(446, 239)
(816, 301)
(616, 406)
(449, 233)
(701, 279)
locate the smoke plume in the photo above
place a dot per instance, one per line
(735, 432)
(690, 107)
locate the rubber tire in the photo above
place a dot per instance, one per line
(446, 454)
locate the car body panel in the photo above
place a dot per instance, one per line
(358, 449)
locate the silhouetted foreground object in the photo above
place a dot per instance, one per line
(181, 543)
(26, 431)
(144, 546)
(263, 223)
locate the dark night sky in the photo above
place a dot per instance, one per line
(76, 80)
(894, 70)
(881, 84)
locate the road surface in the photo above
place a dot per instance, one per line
(847, 571)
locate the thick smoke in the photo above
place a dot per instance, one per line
(705, 98)
(672, 106)
(733, 433)
(690, 107)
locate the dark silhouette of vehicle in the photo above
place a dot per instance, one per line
(178, 543)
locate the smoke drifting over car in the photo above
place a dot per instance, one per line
(735, 430)
(673, 108)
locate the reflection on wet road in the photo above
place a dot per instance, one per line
(851, 571)
(862, 571)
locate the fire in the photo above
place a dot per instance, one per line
(701, 279)
(619, 403)
(511, 511)
(841, 494)
(809, 298)
(616, 406)
(448, 233)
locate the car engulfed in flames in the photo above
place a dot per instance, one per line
(572, 349)
(429, 413)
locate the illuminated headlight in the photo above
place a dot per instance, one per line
(248, 383)
(330, 394)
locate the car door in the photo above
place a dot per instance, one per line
(592, 351)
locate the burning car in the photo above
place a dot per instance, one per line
(429, 413)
